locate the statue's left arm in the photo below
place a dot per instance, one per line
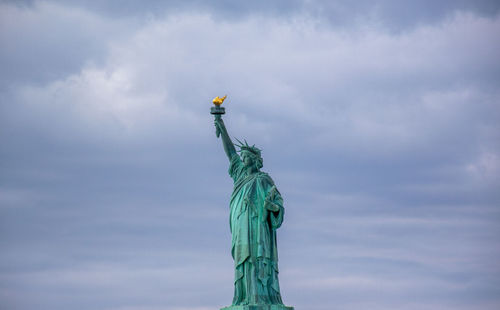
(273, 200)
(274, 207)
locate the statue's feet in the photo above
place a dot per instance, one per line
(258, 307)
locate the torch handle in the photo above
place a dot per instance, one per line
(217, 129)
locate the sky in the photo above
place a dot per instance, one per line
(379, 122)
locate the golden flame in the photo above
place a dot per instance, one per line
(218, 101)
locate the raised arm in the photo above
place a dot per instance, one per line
(226, 141)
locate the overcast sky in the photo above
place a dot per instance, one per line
(379, 122)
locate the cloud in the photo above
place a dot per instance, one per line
(114, 190)
(391, 15)
(48, 42)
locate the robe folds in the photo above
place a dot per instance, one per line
(253, 231)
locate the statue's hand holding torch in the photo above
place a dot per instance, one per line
(218, 125)
(217, 111)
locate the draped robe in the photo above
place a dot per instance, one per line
(253, 230)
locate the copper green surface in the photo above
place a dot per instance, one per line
(256, 212)
(258, 307)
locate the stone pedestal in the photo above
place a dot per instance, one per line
(258, 307)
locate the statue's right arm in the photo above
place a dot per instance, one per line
(226, 141)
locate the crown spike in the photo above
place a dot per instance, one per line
(241, 143)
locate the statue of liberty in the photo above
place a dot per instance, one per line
(256, 211)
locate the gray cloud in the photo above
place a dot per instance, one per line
(393, 14)
(49, 41)
(384, 144)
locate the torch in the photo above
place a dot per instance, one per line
(217, 110)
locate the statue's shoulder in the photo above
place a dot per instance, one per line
(263, 174)
(265, 177)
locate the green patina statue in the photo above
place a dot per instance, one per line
(256, 212)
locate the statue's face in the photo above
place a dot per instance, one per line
(247, 159)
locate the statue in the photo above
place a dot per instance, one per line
(256, 211)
